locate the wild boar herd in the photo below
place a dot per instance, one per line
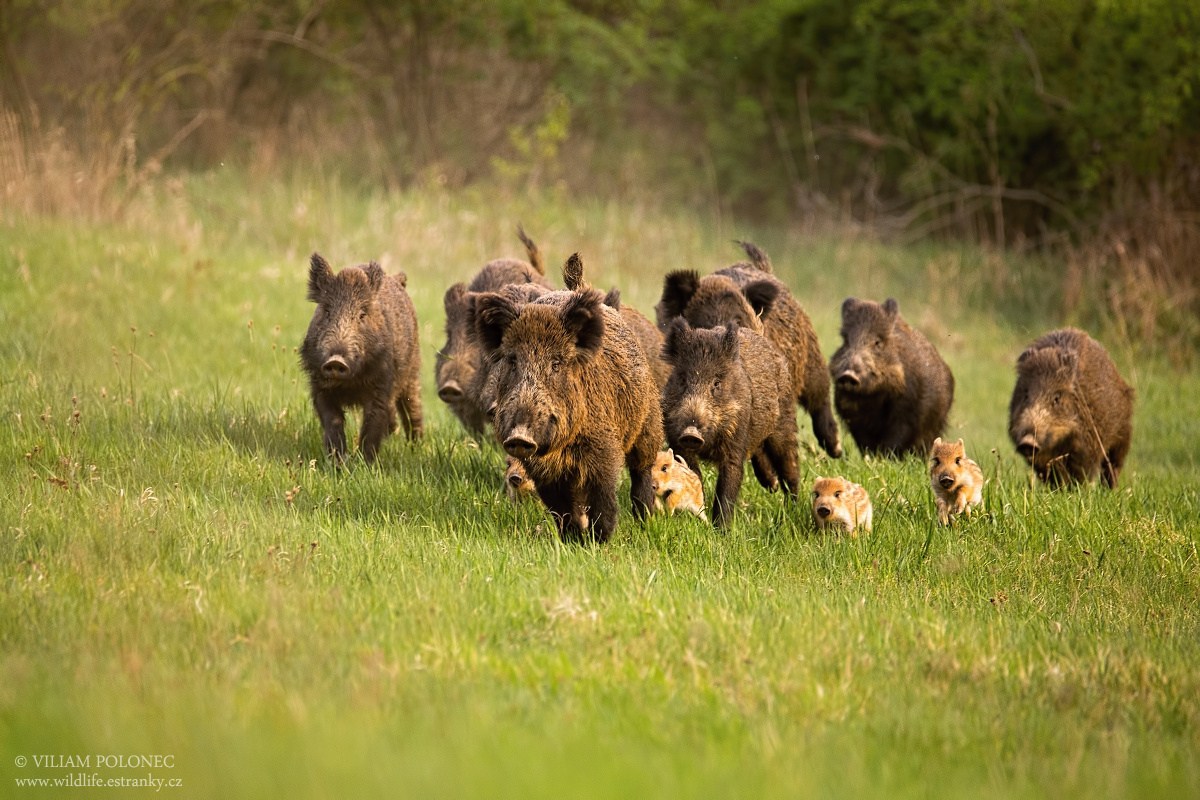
(576, 386)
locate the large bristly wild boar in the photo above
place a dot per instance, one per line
(729, 396)
(1071, 412)
(361, 350)
(750, 295)
(459, 367)
(574, 401)
(891, 387)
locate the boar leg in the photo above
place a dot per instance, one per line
(730, 472)
(640, 462)
(763, 471)
(826, 430)
(780, 449)
(408, 406)
(333, 426)
(602, 510)
(378, 422)
(899, 437)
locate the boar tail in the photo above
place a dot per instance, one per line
(535, 255)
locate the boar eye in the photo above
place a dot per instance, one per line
(837, 493)
(362, 314)
(716, 384)
(958, 462)
(936, 462)
(879, 344)
(555, 365)
(816, 495)
(1057, 398)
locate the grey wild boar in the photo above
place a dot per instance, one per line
(575, 401)
(729, 396)
(891, 387)
(459, 369)
(749, 294)
(361, 350)
(1071, 411)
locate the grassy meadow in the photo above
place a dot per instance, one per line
(185, 575)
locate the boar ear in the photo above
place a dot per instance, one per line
(613, 299)
(678, 288)
(891, 307)
(761, 295)
(573, 273)
(374, 275)
(848, 306)
(961, 443)
(935, 444)
(583, 317)
(493, 314)
(454, 297)
(319, 276)
(729, 340)
(1067, 361)
(675, 333)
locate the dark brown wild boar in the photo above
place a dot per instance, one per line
(361, 350)
(729, 396)
(1071, 411)
(750, 295)
(891, 387)
(459, 366)
(574, 401)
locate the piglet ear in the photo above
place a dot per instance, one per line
(761, 296)
(679, 459)
(493, 314)
(678, 288)
(674, 339)
(583, 317)
(936, 443)
(319, 276)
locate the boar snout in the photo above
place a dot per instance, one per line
(848, 378)
(691, 438)
(335, 367)
(450, 391)
(515, 480)
(520, 442)
(946, 480)
(1027, 446)
(823, 511)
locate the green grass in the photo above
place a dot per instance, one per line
(185, 575)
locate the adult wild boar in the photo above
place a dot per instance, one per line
(891, 387)
(1071, 411)
(459, 370)
(749, 294)
(574, 401)
(729, 396)
(361, 350)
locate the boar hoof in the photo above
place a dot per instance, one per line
(1027, 446)
(450, 391)
(691, 438)
(336, 366)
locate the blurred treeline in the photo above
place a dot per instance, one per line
(1072, 125)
